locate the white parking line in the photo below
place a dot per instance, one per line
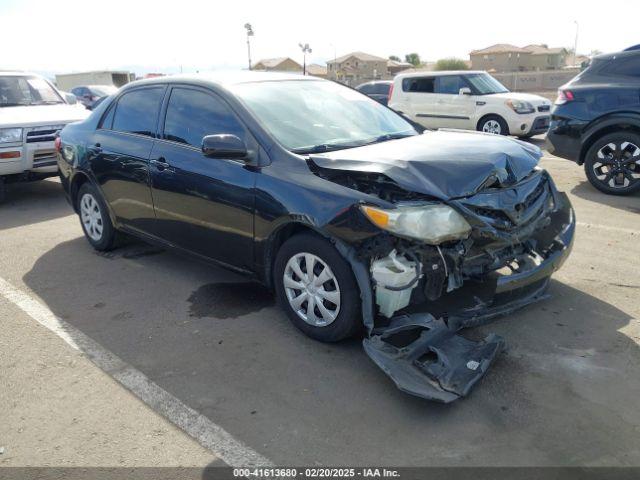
(203, 430)
(605, 227)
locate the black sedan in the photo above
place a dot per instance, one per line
(353, 216)
(596, 122)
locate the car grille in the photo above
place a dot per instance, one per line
(44, 158)
(544, 108)
(43, 134)
(541, 123)
(521, 214)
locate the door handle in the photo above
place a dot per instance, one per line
(160, 163)
(96, 149)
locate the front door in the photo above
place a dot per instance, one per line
(119, 156)
(202, 204)
(453, 109)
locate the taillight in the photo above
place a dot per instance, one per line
(564, 96)
(58, 144)
(390, 91)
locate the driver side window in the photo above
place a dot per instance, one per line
(193, 114)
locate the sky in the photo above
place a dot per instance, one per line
(155, 36)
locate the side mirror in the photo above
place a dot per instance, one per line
(464, 91)
(70, 98)
(224, 146)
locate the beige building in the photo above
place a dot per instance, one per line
(317, 70)
(504, 57)
(280, 64)
(394, 67)
(356, 68)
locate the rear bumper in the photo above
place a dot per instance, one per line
(564, 138)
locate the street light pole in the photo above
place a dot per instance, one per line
(575, 44)
(250, 33)
(305, 49)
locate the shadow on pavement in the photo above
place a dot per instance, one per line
(33, 202)
(586, 191)
(565, 393)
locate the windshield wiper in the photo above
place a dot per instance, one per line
(13, 104)
(325, 147)
(388, 136)
(46, 102)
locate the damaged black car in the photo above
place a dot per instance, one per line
(358, 219)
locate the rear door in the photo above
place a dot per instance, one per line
(452, 109)
(119, 156)
(202, 204)
(420, 99)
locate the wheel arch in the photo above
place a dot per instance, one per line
(79, 179)
(276, 240)
(487, 115)
(606, 126)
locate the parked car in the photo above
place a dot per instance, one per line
(596, 122)
(377, 89)
(338, 203)
(469, 100)
(88, 95)
(32, 110)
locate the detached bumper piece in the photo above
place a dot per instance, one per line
(425, 357)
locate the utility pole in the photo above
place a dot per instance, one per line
(305, 49)
(250, 33)
(575, 45)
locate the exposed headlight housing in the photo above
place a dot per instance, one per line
(10, 135)
(519, 106)
(433, 223)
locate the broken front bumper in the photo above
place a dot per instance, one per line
(425, 357)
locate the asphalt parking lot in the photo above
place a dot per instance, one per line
(564, 393)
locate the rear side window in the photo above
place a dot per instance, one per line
(137, 111)
(193, 114)
(418, 84)
(449, 84)
(628, 67)
(381, 88)
(365, 89)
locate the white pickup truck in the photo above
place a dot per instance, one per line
(32, 110)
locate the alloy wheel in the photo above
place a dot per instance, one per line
(492, 126)
(617, 164)
(91, 217)
(312, 289)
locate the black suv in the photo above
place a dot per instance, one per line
(596, 122)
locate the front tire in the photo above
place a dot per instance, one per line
(612, 163)
(493, 124)
(317, 289)
(94, 218)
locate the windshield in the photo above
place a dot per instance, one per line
(313, 116)
(103, 90)
(26, 90)
(485, 84)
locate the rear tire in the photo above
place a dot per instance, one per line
(334, 299)
(493, 124)
(94, 218)
(612, 163)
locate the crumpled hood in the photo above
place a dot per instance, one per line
(39, 115)
(445, 164)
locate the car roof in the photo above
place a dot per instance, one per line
(439, 73)
(622, 54)
(226, 78)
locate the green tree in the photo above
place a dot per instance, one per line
(451, 64)
(413, 59)
(394, 58)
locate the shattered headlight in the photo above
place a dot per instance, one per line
(519, 106)
(10, 135)
(433, 223)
